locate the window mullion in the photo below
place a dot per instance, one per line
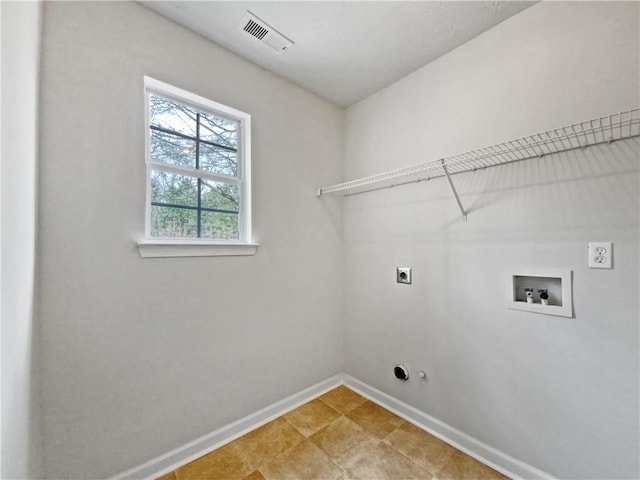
(217, 145)
(171, 132)
(189, 137)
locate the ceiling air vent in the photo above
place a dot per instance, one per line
(264, 32)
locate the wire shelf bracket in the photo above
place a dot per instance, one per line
(601, 130)
(454, 191)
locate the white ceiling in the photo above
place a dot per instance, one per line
(344, 51)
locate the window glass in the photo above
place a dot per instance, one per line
(171, 189)
(169, 222)
(219, 130)
(220, 226)
(196, 182)
(222, 196)
(172, 116)
(171, 149)
(218, 160)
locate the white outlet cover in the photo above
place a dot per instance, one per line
(600, 255)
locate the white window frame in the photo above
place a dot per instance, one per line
(169, 247)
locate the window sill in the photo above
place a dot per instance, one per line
(189, 248)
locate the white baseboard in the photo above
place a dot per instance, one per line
(488, 455)
(182, 455)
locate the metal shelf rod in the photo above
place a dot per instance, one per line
(606, 129)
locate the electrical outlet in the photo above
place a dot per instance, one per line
(600, 255)
(403, 275)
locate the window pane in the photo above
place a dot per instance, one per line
(218, 160)
(220, 226)
(173, 222)
(173, 189)
(222, 196)
(167, 148)
(172, 116)
(219, 130)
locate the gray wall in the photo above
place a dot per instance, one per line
(142, 356)
(21, 439)
(558, 393)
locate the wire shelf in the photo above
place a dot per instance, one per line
(607, 129)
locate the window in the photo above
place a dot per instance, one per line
(198, 173)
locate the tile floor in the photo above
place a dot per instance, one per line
(340, 435)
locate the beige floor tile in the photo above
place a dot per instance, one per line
(311, 417)
(339, 437)
(375, 419)
(229, 462)
(254, 476)
(366, 443)
(343, 399)
(424, 449)
(381, 462)
(305, 461)
(269, 441)
(462, 467)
